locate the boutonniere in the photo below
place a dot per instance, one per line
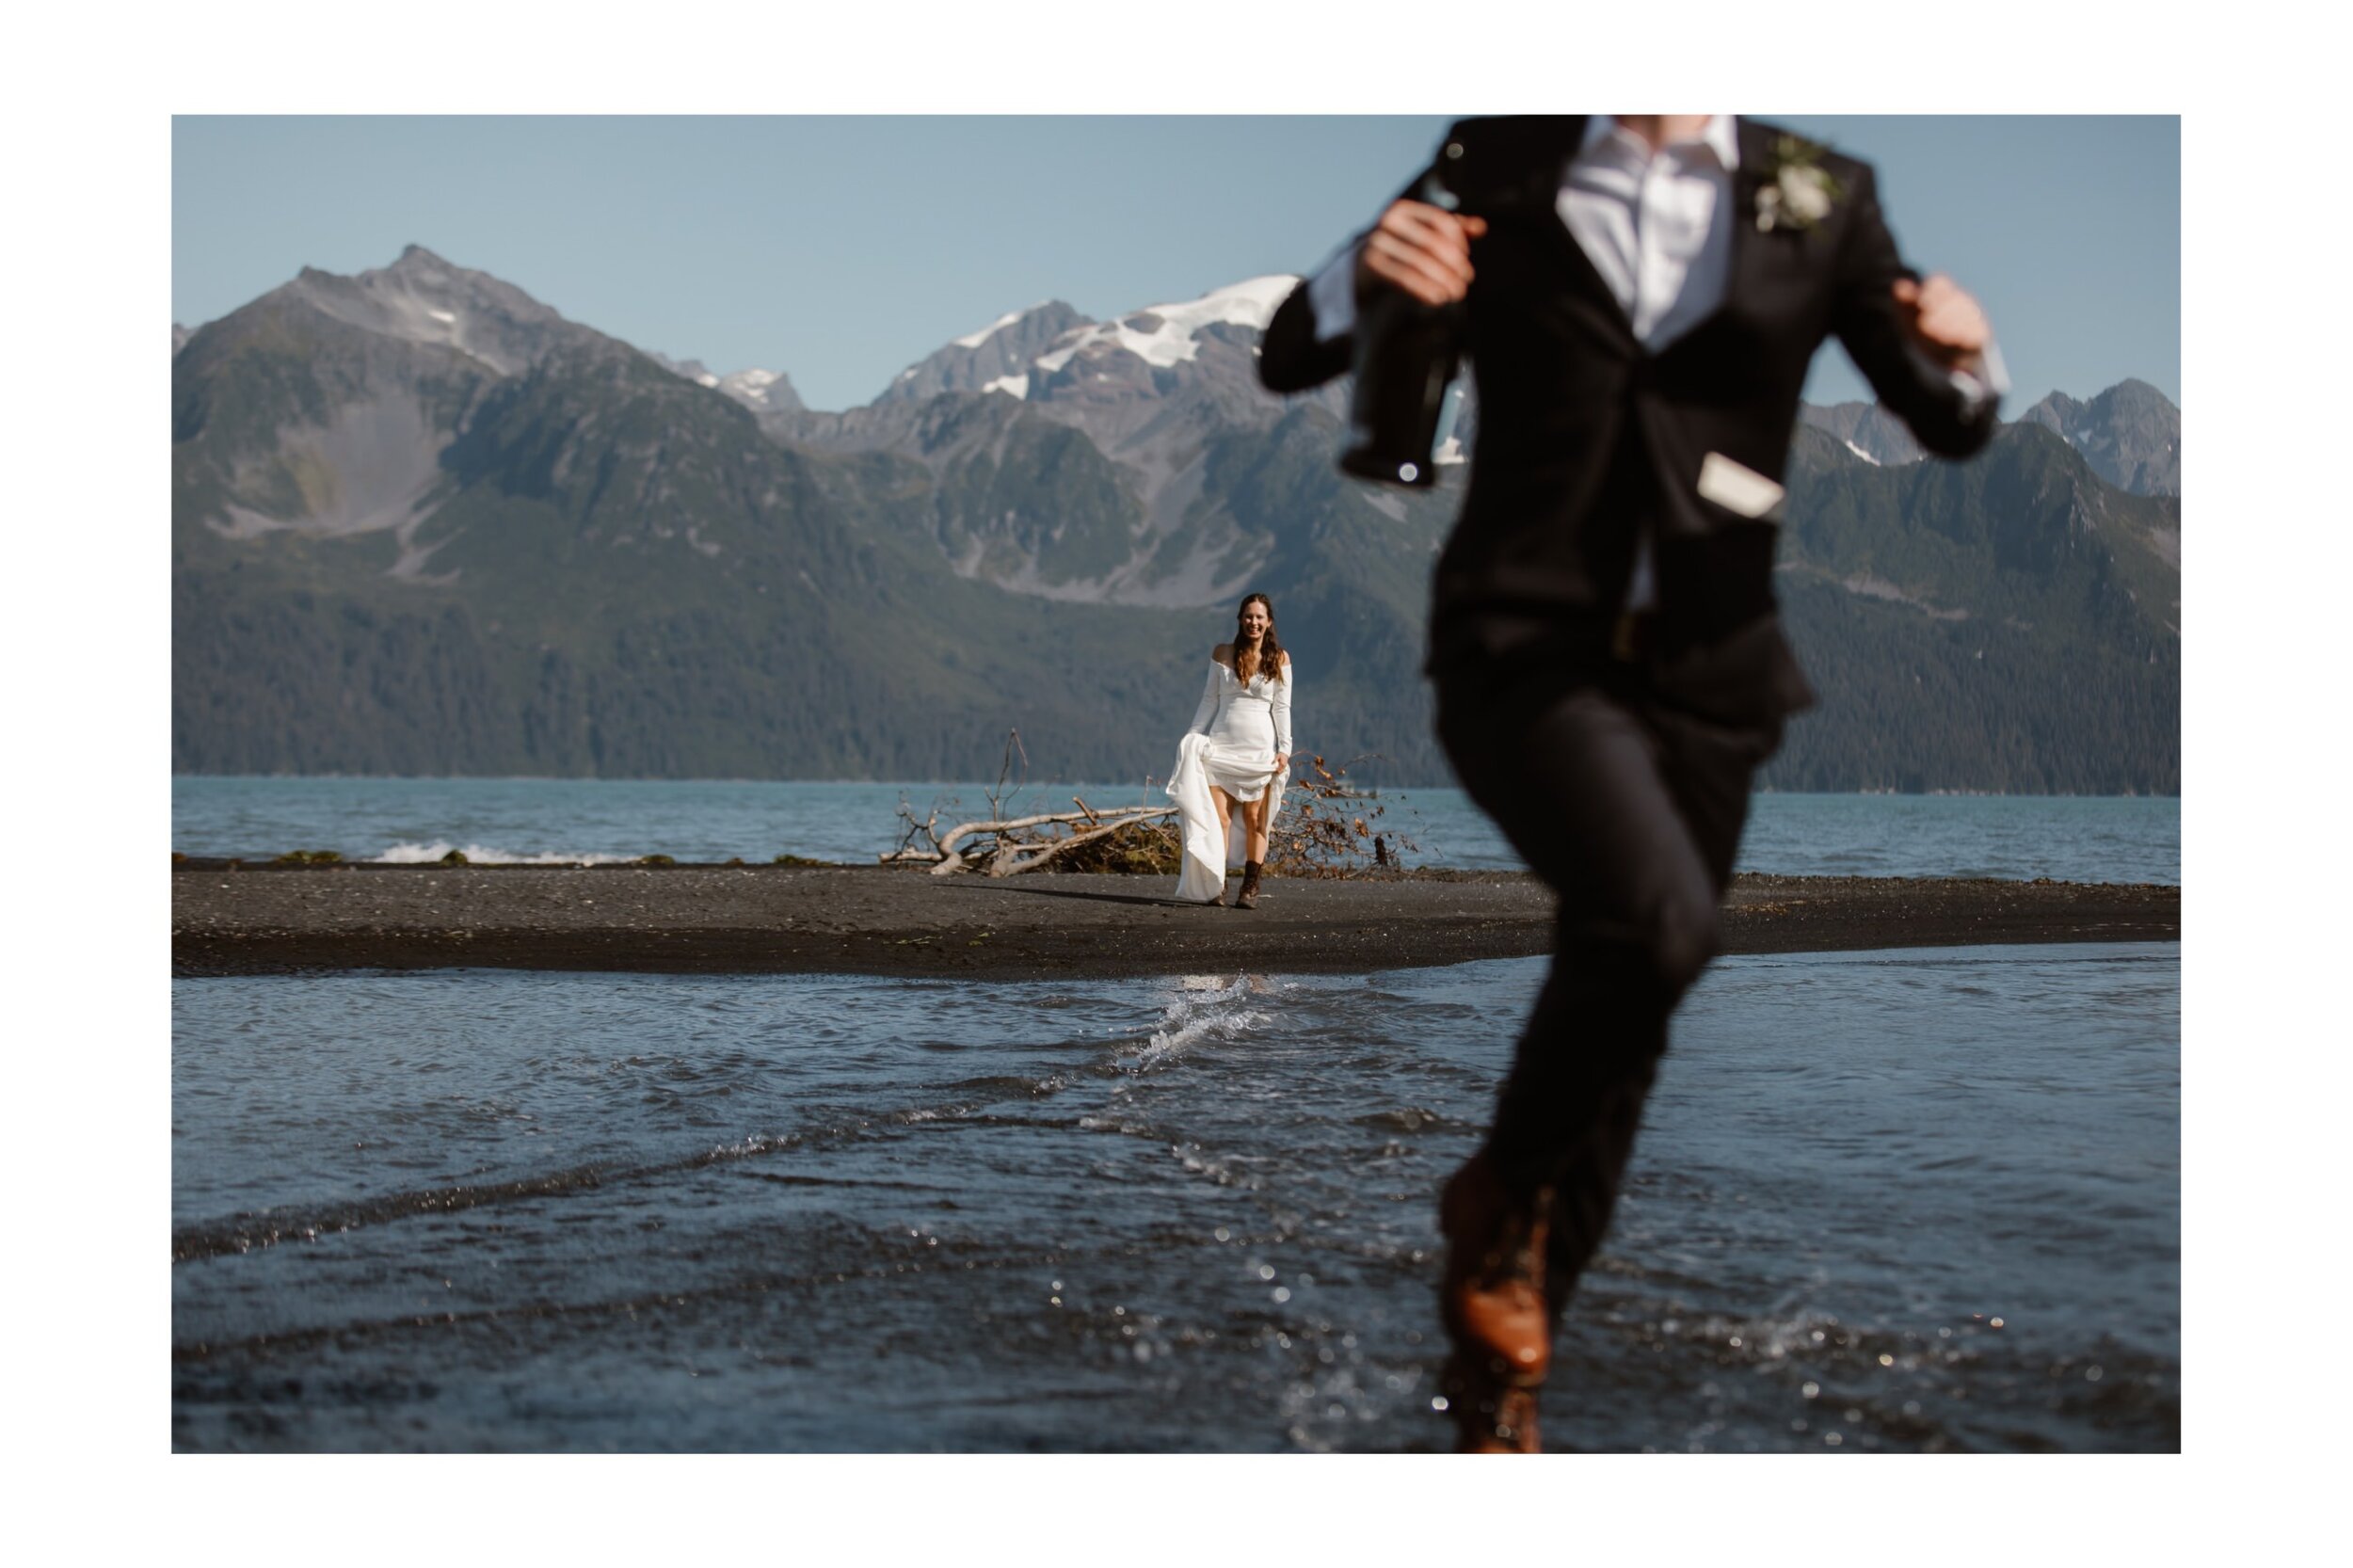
(1797, 191)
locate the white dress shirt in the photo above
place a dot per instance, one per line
(1647, 221)
(1657, 226)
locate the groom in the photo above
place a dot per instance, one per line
(1643, 295)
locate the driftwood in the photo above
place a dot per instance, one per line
(1320, 832)
(1002, 844)
(1013, 846)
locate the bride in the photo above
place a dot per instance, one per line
(1235, 754)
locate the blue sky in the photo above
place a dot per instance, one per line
(838, 250)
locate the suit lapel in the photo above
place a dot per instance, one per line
(1589, 279)
(1756, 151)
(1748, 266)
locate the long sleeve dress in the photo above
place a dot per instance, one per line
(1236, 734)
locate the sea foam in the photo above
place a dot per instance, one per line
(440, 848)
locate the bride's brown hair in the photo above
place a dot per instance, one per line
(1269, 654)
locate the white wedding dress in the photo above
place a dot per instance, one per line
(1235, 736)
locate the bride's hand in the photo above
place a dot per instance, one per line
(1283, 762)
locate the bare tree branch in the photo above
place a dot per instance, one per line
(1013, 748)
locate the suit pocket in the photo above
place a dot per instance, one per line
(1738, 488)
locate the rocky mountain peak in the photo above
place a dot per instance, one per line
(994, 358)
(1168, 335)
(1865, 430)
(1162, 376)
(423, 299)
(415, 257)
(2129, 434)
(762, 391)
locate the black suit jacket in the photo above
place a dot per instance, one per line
(1585, 436)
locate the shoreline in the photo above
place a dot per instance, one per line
(232, 918)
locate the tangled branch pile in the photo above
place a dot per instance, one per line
(1326, 828)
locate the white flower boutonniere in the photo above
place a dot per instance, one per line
(1796, 192)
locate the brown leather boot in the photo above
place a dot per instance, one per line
(1248, 897)
(1492, 1298)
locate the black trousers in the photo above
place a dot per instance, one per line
(1630, 807)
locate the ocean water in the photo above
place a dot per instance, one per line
(1909, 1200)
(2071, 838)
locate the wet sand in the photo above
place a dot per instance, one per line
(229, 920)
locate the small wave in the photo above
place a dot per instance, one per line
(1205, 1008)
(484, 854)
(246, 1233)
(921, 1114)
(1409, 1118)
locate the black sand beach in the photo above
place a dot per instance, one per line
(232, 918)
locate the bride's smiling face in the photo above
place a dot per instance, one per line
(1255, 620)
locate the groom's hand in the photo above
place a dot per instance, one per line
(1420, 249)
(1945, 320)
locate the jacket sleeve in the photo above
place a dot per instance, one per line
(1282, 707)
(1951, 414)
(1292, 357)
(1207, 710)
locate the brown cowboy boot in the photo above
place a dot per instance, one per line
(1493, 1302)
(1248, 897)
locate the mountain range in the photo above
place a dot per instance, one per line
(425, 524)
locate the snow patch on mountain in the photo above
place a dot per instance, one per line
(760, 390)
(1163, 335)
(1864, 455)
(996, 327)
(1012, 386)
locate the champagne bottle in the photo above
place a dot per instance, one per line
(1407, 355)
